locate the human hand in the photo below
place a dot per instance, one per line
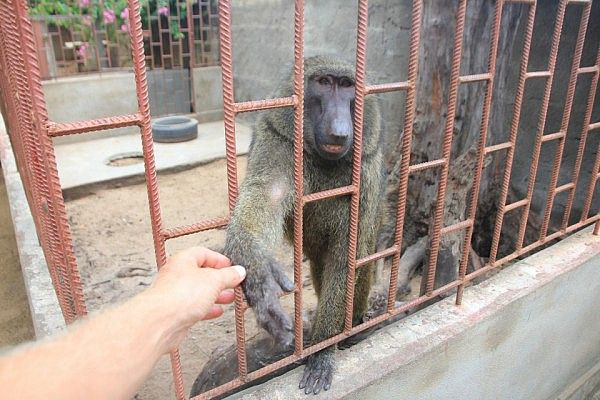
(192, 285)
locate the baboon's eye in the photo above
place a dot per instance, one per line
(345, 82)
(324, 81)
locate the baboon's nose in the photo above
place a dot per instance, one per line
(341, 129)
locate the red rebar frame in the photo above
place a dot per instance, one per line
(31, 132)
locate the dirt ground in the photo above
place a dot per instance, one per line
(113, 245)
(15, 320)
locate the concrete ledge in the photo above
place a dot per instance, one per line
(43, 303)
(530, 332)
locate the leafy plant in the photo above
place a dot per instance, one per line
(83, 16)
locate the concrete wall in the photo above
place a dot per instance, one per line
(530, 332)
(208, 94)
(91, 96)
(45, 311)
(111, 94)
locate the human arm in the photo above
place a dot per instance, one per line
(107, 356)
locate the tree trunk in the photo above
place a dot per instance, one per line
(435, 60)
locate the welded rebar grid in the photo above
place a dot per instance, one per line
(31, 133)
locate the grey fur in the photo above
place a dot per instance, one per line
(264, 214)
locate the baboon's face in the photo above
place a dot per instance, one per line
(330, 103)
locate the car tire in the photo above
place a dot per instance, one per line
(174, 129)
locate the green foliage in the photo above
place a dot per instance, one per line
(83, 15)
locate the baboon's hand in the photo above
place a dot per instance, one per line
(318, 371)
(262, 288)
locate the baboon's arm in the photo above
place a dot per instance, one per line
(257, 225)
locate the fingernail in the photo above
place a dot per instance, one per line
(241, 270)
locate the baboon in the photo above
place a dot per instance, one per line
(264, 210)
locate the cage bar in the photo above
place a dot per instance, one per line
(514, 128)
(542, 120)
(483, 129)
(564, 125)
(447, 145)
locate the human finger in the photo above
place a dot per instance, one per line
(214, 312)
(225, 297)
(230, 277)
(207, 258)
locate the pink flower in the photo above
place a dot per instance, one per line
(163, 10)
(82, 50)
(125, 13)
(86, 20)
(124, 28)
(109, 16)
(84, 3)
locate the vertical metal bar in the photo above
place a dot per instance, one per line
(229, 120)
(591, 188)
(564, 125)
(542, 122)
(409, 118)
(228, 99)
(298, 170)
(29, 153)
(141, 84)
(489, 90)
(192, 54)
(361, 56)
(447, 145)
(514, 128)
(63, 246)
(201, 29)
(583, 138)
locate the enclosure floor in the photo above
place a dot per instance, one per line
(87, 162)
(15, 320)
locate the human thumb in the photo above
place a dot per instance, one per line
(232, 276)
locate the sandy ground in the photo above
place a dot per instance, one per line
(15, 320)
(113, 245)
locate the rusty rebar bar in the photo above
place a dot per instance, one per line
(141, 85)
(514, 128)
(483, 129)
(359, 101)
(298, 171)
(564, 125)
(587, 127)
(447, 144)
(542, 121)
(409, 118)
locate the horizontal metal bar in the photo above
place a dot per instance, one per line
(460, 225)
(195, 228)
(328, 194)
(520, 1)
(426, 165)
(588, 70)
(564, 187)
(257, 105)
(517, 204)
(595, 125)
(475, 78)
(56, 129)
(553, 136)
(390, 251)
(548, 238)
(387, 87)
(537, 74)
(328, 342)
(497, 147)
(579, 1)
